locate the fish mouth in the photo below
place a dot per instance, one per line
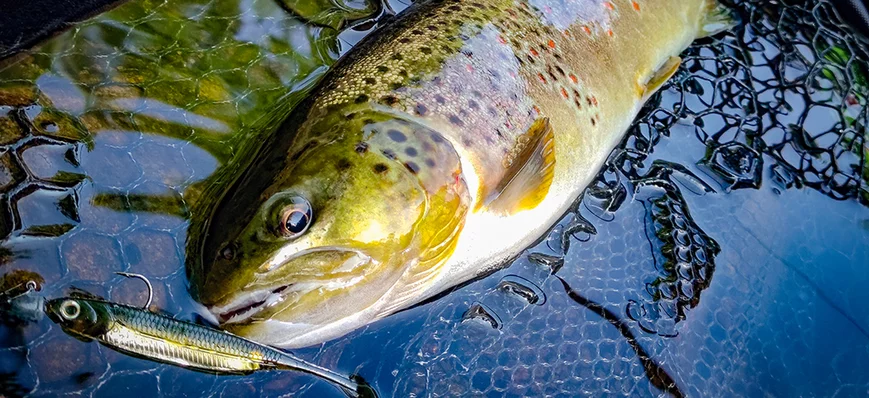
(246, 305)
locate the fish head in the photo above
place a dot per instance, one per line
(331, 233)
(79, 318)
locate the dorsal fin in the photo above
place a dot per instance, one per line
(529, 173)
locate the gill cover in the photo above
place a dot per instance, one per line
(387, 202)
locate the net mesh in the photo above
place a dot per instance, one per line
(631, 294)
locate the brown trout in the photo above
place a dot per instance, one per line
(435, 151)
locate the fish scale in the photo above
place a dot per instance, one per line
(525, 99)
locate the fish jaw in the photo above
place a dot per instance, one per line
(296, 312)
(269, 288)
(291, 335)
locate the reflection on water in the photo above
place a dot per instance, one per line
(721, 248)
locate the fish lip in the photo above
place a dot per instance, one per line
(250, 303)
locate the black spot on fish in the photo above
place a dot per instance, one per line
(410, 151)
(389, 154)
(350, 116)
(427, 147)
(413, 167)
(397, 57)
(492, 111)
(454, 8)
(457, 121)
(430, 162)
(416, 32)
(588, 100)
(396, 136)
(362, 98)
(425, 50)
(432, 28)
(369, 121)
(560, 70)
(404, 40)
(466, 142)
(361, 147)
(477, 94)
(440, 99)
(383, 69)
(473, 105)
(421, 109)
(395, 86)
(390, 100)
(436, 138)
(402, 73)
(343, 164)
(593, 122)
(369, 80)
(380, 168)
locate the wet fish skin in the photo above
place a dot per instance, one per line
(435, 151)
(156, 337)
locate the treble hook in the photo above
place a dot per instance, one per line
(144, 279)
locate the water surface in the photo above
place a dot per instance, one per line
(723, 250)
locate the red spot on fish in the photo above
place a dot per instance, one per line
(609, 6)
(551, 44)
(594, 100)
(534, 52)
(536, 109)
(547, 10)
(508, 125)
(586, 29)
(541, 77)
(470, 68)
(609, 32)
(574, 79)
(636, 5)
(502, 40)
(564, 93)
(566, 32)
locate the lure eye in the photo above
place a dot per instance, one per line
(70, 310)
(296, 218)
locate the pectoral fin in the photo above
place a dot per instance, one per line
(529, 174)
(718, 19)
(664, 73)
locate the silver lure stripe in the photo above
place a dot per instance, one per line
(169, 340)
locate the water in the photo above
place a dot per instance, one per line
(721, 251)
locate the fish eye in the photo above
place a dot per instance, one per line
(70, 310)
(296, 218)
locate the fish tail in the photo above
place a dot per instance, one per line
(290, 362)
